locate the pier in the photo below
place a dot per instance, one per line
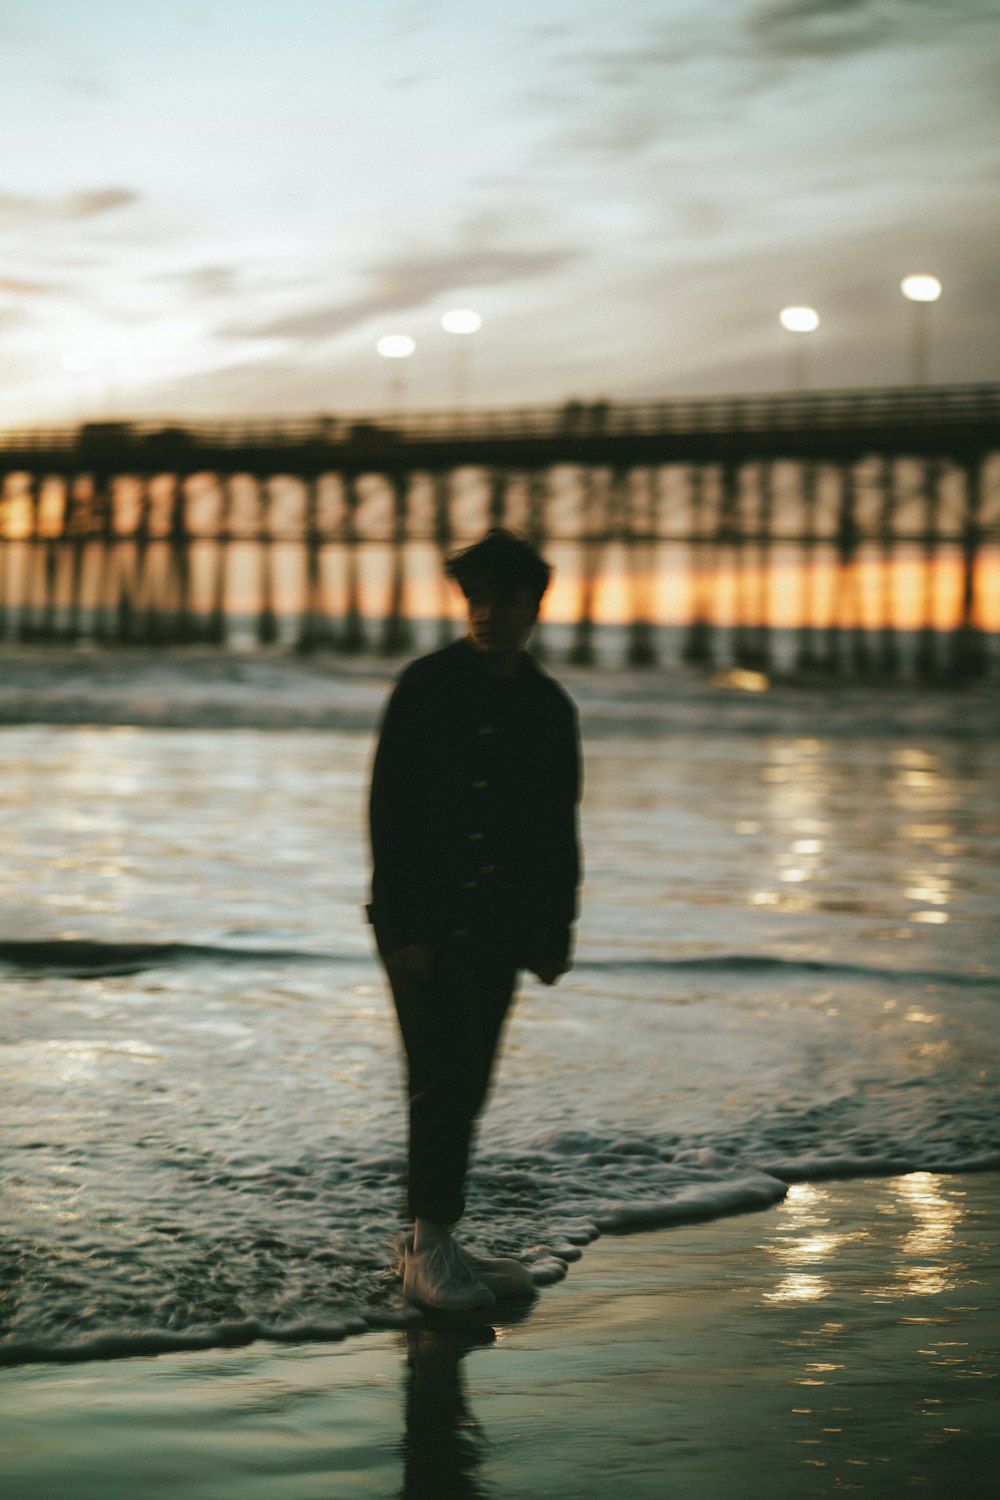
(328, 533)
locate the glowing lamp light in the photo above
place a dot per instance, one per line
(461, 320)
(921, 288)
(799, 319)
(396, 346)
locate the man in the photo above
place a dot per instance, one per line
(475, 871)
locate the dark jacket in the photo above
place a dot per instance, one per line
(473, 808)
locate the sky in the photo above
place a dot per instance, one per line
(217, 207)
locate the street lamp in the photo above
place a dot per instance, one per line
(82, 361)
(800, 321)
(396, 347)
(920, 291)
(461, 321)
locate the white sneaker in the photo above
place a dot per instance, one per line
(442, 1278)
(505, 1277)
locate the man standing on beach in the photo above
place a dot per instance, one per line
(475, 872)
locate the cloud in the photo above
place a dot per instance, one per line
(15, 209)
(264, 384)
(203, 281)
(791, 11)
(663, 47)
(416, 79)
(14, 286)
(84, 85)
(413, 280)
(820, 28)
(407, 282)
(836, 28)
(88, 205)
(621, 132)
(19, 209)
(618, 102)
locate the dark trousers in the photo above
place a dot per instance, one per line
(451, 1019)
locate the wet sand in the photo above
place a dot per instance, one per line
(846, 1340)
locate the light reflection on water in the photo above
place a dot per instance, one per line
(823, 846)
(896, 1379)
(926, 1255)
(934, 1236)
(799, 845)
(803, 1241)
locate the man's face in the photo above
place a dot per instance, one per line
(500, 620)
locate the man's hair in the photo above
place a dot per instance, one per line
(500, 563)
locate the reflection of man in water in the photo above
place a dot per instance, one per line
(473, 825)
(443, 1444)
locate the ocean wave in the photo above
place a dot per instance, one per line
(765, 963)
(220, 691)
(81, 958)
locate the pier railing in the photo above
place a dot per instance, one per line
(962, 410)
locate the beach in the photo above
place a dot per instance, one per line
(750, 1144)
(847, 1340)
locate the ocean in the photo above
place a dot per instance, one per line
(788, 969)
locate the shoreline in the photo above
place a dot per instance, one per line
(844, 1338)
(211, 689)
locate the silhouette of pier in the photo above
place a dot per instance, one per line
(324, 531)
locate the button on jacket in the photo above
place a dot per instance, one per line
(473, 808)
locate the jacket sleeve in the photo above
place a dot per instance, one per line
(556, 886)
(396, 814)
(568, 863)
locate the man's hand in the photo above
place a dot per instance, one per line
(550, 953)
(549, 973)
(415, 958)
